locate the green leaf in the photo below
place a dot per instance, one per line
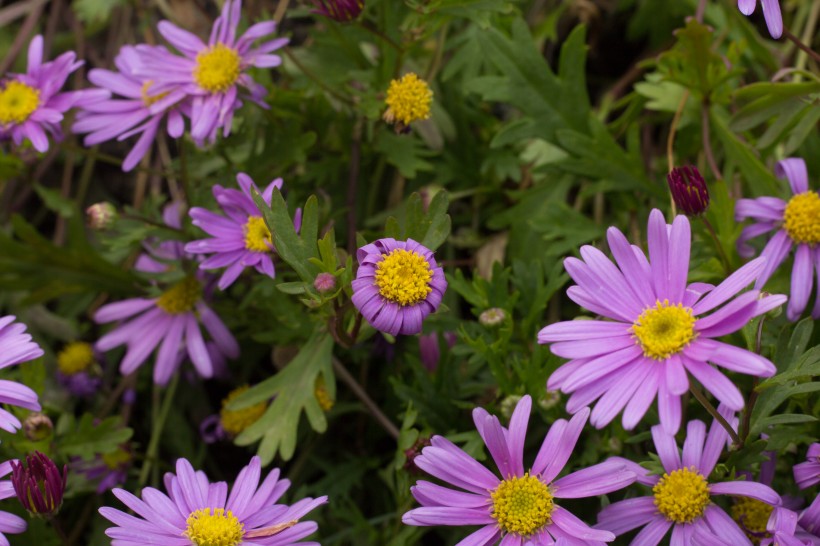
(56, 202)
(405, 152)
(90, 436)
(760, 179)
(292, 391)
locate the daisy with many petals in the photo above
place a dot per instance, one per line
(16, 347)
(771, 12)
(397, 285)
(170, 322)
(796, 223)
(210, 74)
(781, 530)
(196, 512)
(521, 506)
(681, 498)
(31, 104)
(239, 239)
(9, 523)
(659, 330)
(131, 115)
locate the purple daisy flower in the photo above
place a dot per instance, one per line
(9, 523)
(521, 505)
(109, 469)
(807, 473)
(16, 347)
(398, 284)
(31, 104)
(198, 512)
(796, 223)
(682, 498)
(239, 239)
(781, 529)
(209, 74)
(771, 12)
(658, 329)
(122, 118)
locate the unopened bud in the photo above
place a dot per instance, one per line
(324, 283)
(37, 427)
(688, 190)
(549, 400)
(39, 484)
(492, 317)
(414, 452)
(100, 215)
(508, 405)
(342, 11)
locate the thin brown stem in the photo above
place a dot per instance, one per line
(701, 9)
(699, 396)
(796, 41)
(362, 395)
(281, 8)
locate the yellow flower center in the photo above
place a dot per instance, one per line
(257, 235)
(116, 458)
(522, 505)
(235, 421)
(664, 330)
(17, 102)
(682, 495)
(75, 357)
(322, 395)
(181, 297)
(802, 218)
(148, 100)
(403, 277)
(752, 515)
(217, 68)
(408, 99)
(214, 527)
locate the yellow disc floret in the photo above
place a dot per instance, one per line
(522, 505)
(322, 394)
(404, 277)
(181, 297)
(235, 421)
(217, 68)
(257, 235)
(664, 330)
(17, 102)
(682, 495)
(214, 527)
(75, 357)
(752, 515)
(802, 218)
(408, 100)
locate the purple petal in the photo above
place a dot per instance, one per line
(567, 522)
(774, 20)
(666, 448)
(576, 330)
(733, 284)
(693, 445)
(598, 479)
(754, 490)
(623, 516)
(802, 280)
(723, 526)
(775, 252)
(794, 170)
(653, 533)
(444, 515)
(557, 448)
(658, 242)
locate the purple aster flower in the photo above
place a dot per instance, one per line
(807, 473)
(78, 370)
(239, 239)
(122, 118)
(521, 505)
(31, 104)
(200, 513)
(16, 347)
(796, 223)
(209, 74)
(108, 469)
(682, 497)
(781, 529)
(339, 10)
(771, 12)
(9, 523)
(398, 284)
(659, 329)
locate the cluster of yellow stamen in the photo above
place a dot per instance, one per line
(235, 421)
(522, 505)
(664, 330)
(181, 297)
(404, 277)
(217, 68)
(17, 102)
(214, 527)
(322, 395)
(147, 99)
(802, 218)
(408, 99)
(682, 495)
(752, 515)
(75, 357)
(116, 458)
(257, 235)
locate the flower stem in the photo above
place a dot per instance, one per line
(696, 392)
(796, 41)
(746, 423)
(707, 143)
(156, 433)
(723, 257)
(360, 393)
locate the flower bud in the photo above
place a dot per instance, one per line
(324, 283)
(549, 400)
(38, 484)
(37, 427)
(508, 405)
(492, 317)
(342, 11)
(688, 190)
(413, 452)
(100, 215)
